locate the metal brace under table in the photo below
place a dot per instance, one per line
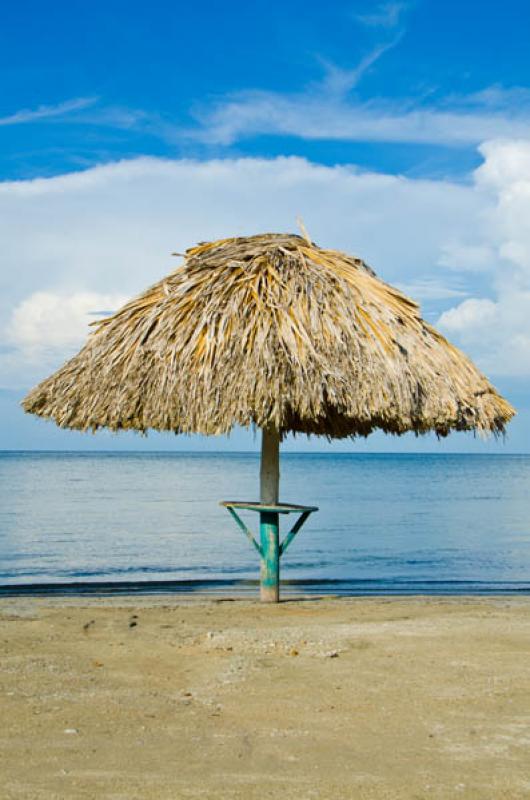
(269, 548)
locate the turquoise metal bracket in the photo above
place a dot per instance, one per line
(294, 530)
(244, 528)
(270, 548)
(264, 509)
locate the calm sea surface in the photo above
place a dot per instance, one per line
(387, 523)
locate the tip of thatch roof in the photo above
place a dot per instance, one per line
(270, 330)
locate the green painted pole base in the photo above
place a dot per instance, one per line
(270, 557)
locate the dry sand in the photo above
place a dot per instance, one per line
(353, 698)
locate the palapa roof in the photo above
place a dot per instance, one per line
(270, 330)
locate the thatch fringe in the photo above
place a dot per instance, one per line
(270, 330)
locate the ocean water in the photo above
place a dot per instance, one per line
(152, 521)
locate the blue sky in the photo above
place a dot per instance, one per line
(118, 79)
(399, 131)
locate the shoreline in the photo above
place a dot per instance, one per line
(247, 588)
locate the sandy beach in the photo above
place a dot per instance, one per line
(336, 698)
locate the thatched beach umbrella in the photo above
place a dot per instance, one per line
(274, 332)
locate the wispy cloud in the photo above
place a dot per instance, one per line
(339, 81)
(47, 112)
(331, 109)
(385, 15)
(430, 288)
(327, 112)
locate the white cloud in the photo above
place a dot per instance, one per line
(110, 230)
(47, 112)
(471, 315)
(49, 323)
(85, 241)
(497, 333)
(497, 330)
(506, 164)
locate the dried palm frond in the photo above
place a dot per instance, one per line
(271, 331)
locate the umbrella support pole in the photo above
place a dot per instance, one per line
(269, 547)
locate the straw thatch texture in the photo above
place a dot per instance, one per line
(270, 330)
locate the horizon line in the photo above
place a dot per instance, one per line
(257, 452)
